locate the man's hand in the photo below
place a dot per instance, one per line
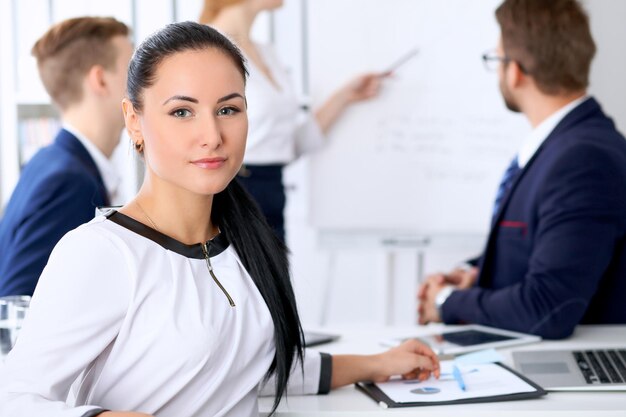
(459, 278)
(426, 298)
(462, 278)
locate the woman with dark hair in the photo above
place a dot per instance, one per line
(180, 303)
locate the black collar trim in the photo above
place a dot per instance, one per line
(216, 245)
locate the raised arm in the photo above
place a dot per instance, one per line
(360, 88)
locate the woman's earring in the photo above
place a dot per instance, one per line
(139, 147)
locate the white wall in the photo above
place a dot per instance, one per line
(608, 26)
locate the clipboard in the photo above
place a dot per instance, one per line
(377, 394)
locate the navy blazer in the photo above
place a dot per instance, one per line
(58, 190)
(556, 253)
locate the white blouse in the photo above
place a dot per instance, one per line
(127, 319)
(279, 131)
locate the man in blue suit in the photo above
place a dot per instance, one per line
(556, 253)
(83, 64)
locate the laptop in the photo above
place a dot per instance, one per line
(574, 370)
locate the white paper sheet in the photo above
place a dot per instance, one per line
(481, 380)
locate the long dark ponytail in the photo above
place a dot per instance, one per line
(261, 252)
(265, 257)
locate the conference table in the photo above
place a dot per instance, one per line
(348, 402)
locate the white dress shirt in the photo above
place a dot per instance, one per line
(107, 170)
(279, 130)
(126, 320)
(540, 133)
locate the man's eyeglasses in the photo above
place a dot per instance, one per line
(492, 60)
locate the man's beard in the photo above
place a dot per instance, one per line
(509, 101)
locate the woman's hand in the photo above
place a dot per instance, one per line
(411, 359)
(362, 87)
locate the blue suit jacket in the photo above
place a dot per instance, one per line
(58, 190)
(556, 253)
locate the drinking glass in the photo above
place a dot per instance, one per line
(13, 309)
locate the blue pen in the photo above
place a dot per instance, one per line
(457, 375)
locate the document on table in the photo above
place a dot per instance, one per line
(483, 382)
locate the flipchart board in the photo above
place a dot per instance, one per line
(427, 155)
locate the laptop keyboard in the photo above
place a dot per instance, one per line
(602, 366)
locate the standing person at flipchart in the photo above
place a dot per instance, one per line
(179, 304)
(279, 130)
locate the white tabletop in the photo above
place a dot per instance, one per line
(348, 402)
